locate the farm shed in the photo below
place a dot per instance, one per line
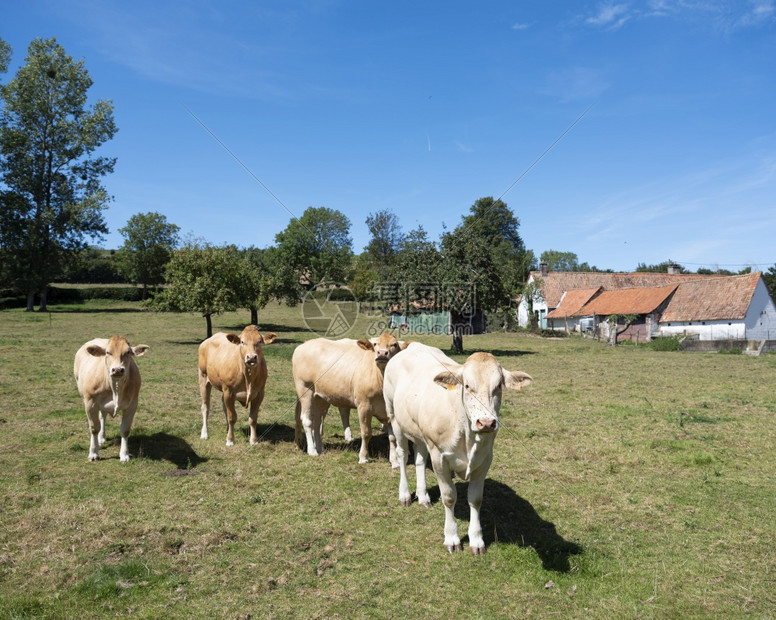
(705, 307)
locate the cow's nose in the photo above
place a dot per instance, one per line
(487, 424)
(251, 359)
(382, 356)
(117, 371)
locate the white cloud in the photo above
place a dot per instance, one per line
(610, 15)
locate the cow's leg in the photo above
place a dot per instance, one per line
(387, 428)
(365, 421)
(421, 453)
(231, 415)
(308, 420)
(345, 417)
(126, 427)
(476, 487)
(253, 416)
(405, 496)
(94, 418)
(204, 390)
(449, 494)
(101, 435)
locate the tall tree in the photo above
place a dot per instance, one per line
(770, 281)
(52, 198)
(485, 263)
(560, 261)
(316, 247)
(149, 240)
(202, 278)
(386, 238)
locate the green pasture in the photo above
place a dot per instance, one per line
(626, 483)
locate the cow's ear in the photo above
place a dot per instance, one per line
(365, 344)
(95, 350)
(269, 337)
(448, 379)
(403, 344)
(140, 349)
(516, 379)
(233, 338)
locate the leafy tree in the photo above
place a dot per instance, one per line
(149, 240)
(52, 198)
(660, 268)
(560, 261)
(202, 278)
(386, 239)
(261, 280)
(485, 263)
(316, 248)
(5, 55)
(770, 281)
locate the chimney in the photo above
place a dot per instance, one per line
(543, 268)
(673, 268)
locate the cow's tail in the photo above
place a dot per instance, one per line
(298, 426)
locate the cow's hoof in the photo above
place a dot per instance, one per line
(454, 548)
(93, 457)
(124, 458)
(425, 504)
(405, 502)
(254, 442)
(362, 460)
(229, 444)
(348, 436)
(203, 436)
(478, 550)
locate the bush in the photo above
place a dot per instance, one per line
(666, 343)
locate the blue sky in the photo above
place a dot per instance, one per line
(421, 108)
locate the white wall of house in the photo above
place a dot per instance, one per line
(705, 330)
(761, 317)
(539, 307)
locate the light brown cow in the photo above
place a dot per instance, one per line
(108, 380)
(450, 411)
(236, 367)
(347, 374)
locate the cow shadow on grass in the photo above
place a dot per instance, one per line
(509, 352)
(508, 518)
(164, 447)
(274, 433)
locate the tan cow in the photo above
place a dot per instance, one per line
(449, 411)
(347, 374)
(236, 367)
(109, 381)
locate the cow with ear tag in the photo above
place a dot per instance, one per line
(235, 366)
(108, 380)
(450, 411)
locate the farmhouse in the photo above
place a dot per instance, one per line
(703, 307)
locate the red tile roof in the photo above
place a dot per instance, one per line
(696, 297)
(628, 301)
(572, 301)
(712, 299)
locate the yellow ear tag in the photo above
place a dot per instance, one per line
(452, 386)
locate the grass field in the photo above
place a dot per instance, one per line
(626, 483)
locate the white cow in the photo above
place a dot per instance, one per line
(449, 411)
(108, 380)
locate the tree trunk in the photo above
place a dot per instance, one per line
(30, 301)
(209, 325)
(457, 325)
(254, 316)
(43, 298)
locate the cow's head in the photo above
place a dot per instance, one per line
(117, 355)
(481, 379)
(250, 341)
(384, 347)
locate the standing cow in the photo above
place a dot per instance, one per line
(347, 374)
(450, 411)
(108, 380)
(236, 367)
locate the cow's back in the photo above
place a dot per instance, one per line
(424, 409)
(337, 370)
(89, 371)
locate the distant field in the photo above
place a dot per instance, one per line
(626, 483)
